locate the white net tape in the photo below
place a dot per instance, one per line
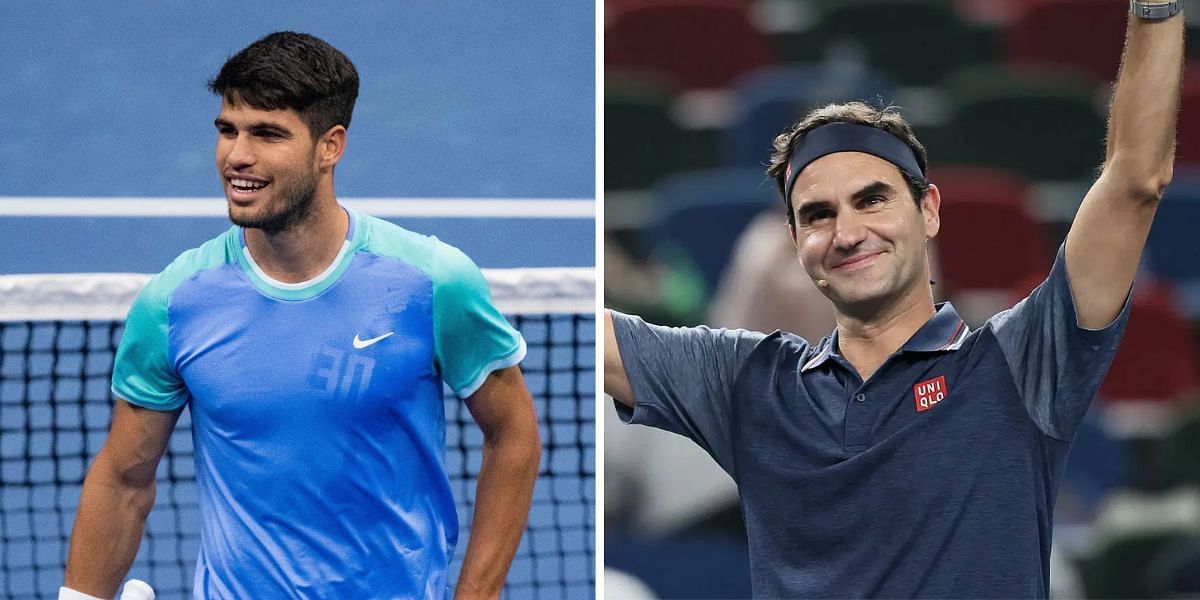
(107, 296)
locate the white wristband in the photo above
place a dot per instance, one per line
(66, 593)
(135, 589)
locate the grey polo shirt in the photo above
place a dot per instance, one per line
(936, 477)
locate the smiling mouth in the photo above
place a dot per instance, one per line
(856, 263)
(246, 186)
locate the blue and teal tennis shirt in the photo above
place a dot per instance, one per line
(317, 413)
(935, 478)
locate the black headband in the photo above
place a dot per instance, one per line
(850, 137)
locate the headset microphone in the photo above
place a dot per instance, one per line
(822, 283)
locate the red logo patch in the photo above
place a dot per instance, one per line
(930, 392)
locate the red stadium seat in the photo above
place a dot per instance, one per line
(1157, 360)
(1085, 35)
(990, 11)
(995, 11)
(612, 8)
(702, 45)
(1187, 137)
(989, 246)
(979, 184)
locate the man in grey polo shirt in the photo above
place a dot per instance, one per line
(906, 455)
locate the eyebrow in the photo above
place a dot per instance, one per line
(874, 188)
(256, 127)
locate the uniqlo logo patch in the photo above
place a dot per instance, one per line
(928, 393)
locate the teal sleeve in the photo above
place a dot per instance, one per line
(142, 371)
(472, 338)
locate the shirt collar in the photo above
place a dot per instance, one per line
(943, 332)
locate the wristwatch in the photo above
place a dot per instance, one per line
(1155, 11)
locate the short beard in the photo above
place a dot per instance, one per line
(296, 206)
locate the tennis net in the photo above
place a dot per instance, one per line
(58, 336)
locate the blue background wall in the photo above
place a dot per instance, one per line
(458, 99)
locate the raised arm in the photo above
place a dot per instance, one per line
(616, 383)
(511, 450)
(1106, 239)
(117, 495)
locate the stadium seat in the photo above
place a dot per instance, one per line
(1098, 464)
(703, 45)
(771, 98)
(915, 42)
(1171, 247)
(701, 565)
(1180, 451)
(1175, 570)
(979, 184)
(1049, 34)
(1120, 569)
(700, 215)
(988, 246)
(1157, 360)
(993, 11)
(641, 140)
(612, 8)
(1187, 140)
(1043, 126)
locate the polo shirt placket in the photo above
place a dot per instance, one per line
(867, 401)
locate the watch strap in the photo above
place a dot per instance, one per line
(1155, 11)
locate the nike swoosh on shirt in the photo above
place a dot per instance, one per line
(360, 344)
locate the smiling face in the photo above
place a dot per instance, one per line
(859, 229)
(269, 164)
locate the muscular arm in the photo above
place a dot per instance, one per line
(616, 383)
(1110, 229)
(117, 495)
(511, 453)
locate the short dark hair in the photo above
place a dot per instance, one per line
(883, 117)
(292, 70)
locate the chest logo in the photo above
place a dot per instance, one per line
(928, 393)
(360, 344)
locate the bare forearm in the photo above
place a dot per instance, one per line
(107, 531)
(1141, 131)
(1106, 239)
(502, 498)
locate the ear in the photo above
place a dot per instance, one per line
(792, 234)
(930, 205)
(330, 146)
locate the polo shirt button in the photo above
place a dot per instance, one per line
(861, 397)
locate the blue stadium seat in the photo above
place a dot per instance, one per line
(772, 98)
(699, 215)
(699, 565)
(1171, 247)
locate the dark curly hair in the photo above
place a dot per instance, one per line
(292, 70)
